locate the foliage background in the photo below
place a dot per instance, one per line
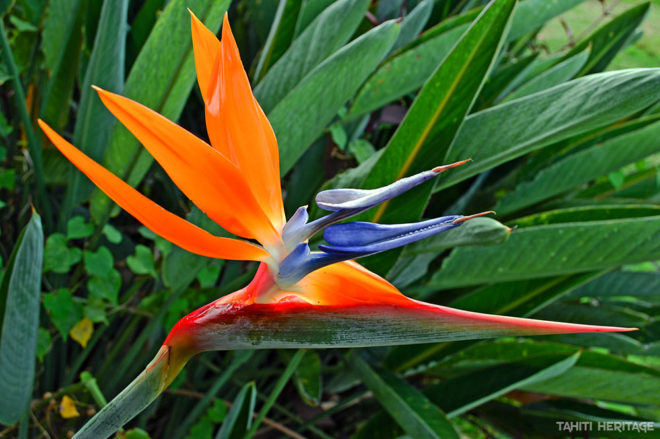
(582, 187)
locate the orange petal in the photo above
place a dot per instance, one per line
(206, 48)
(154, 217)
(348, 283)
(211, 181)
(236, 125)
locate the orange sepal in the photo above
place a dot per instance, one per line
(207, 177)
(236, 125)
(154, 217)
(206, 48)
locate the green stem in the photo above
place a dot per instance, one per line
(33, 146)
(279, 386)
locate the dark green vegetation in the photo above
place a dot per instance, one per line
(563, 147)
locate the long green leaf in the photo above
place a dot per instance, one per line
(409, 69)
(239, 418)
(582, 167)
(62, 44)
(532, 14)
(607, 377)
(170, 80)
(425, 136)
(332, 83)
(491, 383)
(418, 416)
(329, 31)
(547, 117)
(279, 386)
(641, 285)
(610, 38)
(555, 75)
(413, 23)
(553, 250)
(20, 293)
(94, 122)
(280, 36)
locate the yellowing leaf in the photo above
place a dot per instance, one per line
(82, 331)
(68, 408)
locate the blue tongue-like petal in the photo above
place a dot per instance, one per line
(362, 199)
(359, 239)
(360, 234)
(354, 240)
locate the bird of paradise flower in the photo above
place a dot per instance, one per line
(298, 297)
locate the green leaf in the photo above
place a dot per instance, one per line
(111, 234)
(105, 287)
(597, 212)
(19, 313)
(329, 31)
(490, 383)
(410, 68)
(5, 5)
(553, 250)
(502, 80)
(277, 389)
(361, 149)
(413, 23)
(555, 75)
(405, 72)
(143, 261)
(239, 418)
(642, 286)
(44, 343)
(610, 38)
(547, 117)
(532, 14)
(63, 311)
(280, 36)
(332, 82)
(98, 263)
(418, 416)
(308, 378)
(136, 433)
(77, 228)
(61, 45)
(607, 377)
(59, 258)
(522, 298)
(425, 136)
(170, 80)
(105, 69)
(209, 275)
(586, 165)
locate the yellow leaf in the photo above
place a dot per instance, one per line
(82, 331)
(68, 408)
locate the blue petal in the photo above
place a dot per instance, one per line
(361, 239)
(363, 233)
(363, 199)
